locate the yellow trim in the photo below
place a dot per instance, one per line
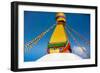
(61, 19)
(56, 50)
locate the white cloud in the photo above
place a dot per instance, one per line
(81, 51)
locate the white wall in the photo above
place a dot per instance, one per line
(5, 35)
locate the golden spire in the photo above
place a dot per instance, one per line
(60, 18)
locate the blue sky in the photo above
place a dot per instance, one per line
(37, 22)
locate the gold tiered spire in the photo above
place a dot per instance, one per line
(59, 38)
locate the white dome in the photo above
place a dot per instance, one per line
(59, 57)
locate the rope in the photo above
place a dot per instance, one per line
(36, 40)
(76, 41)
(79, 35)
